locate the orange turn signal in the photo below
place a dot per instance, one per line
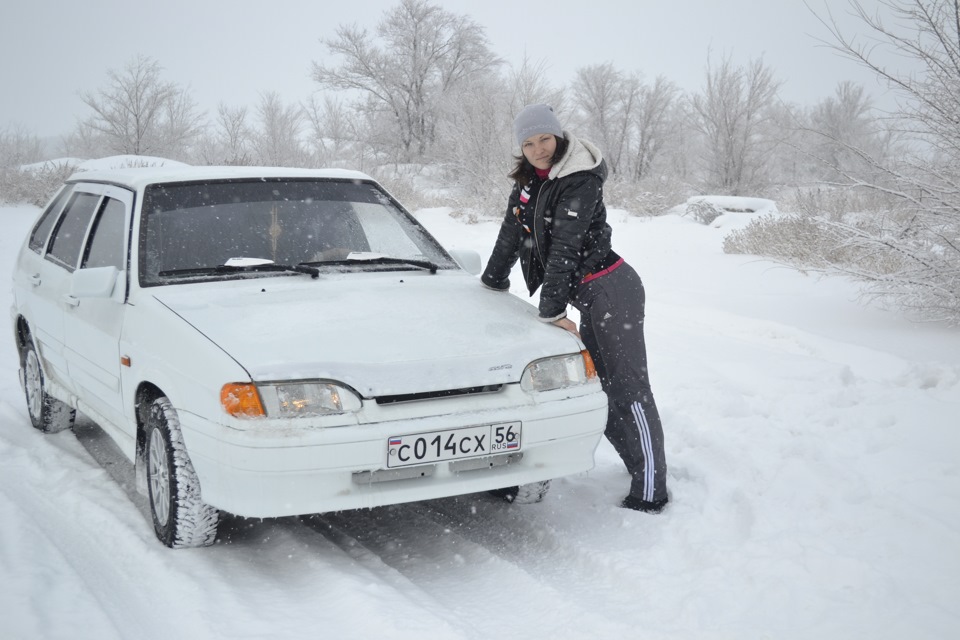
(588, 365)
(241, 400)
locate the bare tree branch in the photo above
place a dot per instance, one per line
(421, 52)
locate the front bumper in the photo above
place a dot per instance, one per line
(282, 472)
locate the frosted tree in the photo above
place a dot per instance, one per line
(140, 113)
(631, 120)
(911, 253)
(478, 142)
(181, 126)
(229, 141)
(732, 114)
(655, 124)
(276, 141)
(528, 84)
(606, 99)
(335, 132)
(19, 146)
(35, 184)
(846, 129)
(420, 53)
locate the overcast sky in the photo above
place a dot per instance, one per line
(232, 51)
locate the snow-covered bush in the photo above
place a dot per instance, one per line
(703, 211)
(33, 185)
(801, 241)
(820, 243)
(651, 197)
(920, 236)
(900, 270)
(403, 187)
(835, 203)
(473, 208)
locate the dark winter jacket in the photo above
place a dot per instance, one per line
(569, 236)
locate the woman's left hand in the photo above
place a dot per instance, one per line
(567, 323)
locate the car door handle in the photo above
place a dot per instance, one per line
(34, 279)
(71, 301)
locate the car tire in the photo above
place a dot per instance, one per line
(525, 493)
(180, 517)
(47, 414)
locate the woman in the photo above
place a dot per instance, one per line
(556, 224)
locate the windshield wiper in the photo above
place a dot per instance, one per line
(423, 264)
(313, 272)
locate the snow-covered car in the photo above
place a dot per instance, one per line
(274, 342)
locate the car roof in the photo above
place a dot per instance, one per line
(137, 177)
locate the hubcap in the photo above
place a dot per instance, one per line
(159, 475)
(33, 385)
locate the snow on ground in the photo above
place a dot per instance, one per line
(814, 471)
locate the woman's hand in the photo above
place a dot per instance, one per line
(567, 323)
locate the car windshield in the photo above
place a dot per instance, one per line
(238, 228)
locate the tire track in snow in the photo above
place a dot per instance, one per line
(368, 549)
(283, 562)
(28, 557)
(427, 561)
(58, 495)
(480, 589)
(338, 529)
(585, 575)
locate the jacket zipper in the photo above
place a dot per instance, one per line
(536, 239)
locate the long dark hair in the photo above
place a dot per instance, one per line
(523, 172)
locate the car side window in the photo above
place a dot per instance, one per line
(105, 248)
(67, 239)
(41, 230)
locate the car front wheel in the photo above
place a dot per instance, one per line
(46, 412)
(180, 518)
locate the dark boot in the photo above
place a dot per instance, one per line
(632, 502)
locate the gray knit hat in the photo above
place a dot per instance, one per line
(534, 119)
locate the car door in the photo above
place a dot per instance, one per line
(95, 306)
(49, 278)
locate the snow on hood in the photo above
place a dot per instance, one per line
(381, 333)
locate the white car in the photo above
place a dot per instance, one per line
(274, 342)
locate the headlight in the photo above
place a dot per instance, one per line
(288, 399)
(558, 373)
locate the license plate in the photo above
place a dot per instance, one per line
(453, 444)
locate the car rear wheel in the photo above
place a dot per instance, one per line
(46, 412)
(525, 493)
(180, 518)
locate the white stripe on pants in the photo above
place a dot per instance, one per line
(649, 468)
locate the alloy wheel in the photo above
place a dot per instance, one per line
(158, 471)
(33, 384)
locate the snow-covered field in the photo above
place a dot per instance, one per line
(814, 453)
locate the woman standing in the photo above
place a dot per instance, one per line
(556, 225)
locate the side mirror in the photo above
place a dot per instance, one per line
(98, 282)
(468, 259)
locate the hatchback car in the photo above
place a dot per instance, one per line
(274, 342)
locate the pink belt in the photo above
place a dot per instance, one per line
(592, 276)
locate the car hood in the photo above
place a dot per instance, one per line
(380, 333)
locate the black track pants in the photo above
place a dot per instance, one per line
(611, 311)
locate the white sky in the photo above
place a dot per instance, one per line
(232, 51)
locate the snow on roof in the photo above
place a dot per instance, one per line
(138, 177)
(127, 161)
